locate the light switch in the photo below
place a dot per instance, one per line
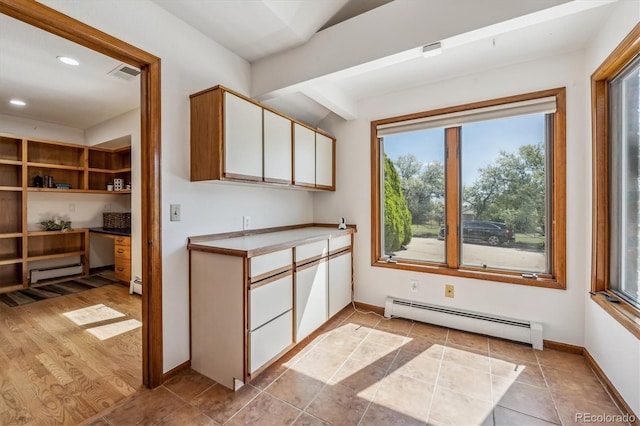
(175, 212)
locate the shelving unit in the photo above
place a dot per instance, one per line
(86, 169)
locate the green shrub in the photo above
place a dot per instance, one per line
(397, 218)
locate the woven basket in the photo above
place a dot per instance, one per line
(116, 220)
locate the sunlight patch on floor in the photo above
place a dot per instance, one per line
(108, 331)
(92, 314)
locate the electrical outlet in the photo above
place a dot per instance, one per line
(107, 207)
(72, 208)
(448, 290)
(414, 285)
(175, 212)
(246, 222)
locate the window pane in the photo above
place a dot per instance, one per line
(625, 180)
(413, 194)
(504, 194)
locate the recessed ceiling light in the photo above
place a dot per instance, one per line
(67, 60)
(17, 102)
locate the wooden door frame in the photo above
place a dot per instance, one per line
(54, 22)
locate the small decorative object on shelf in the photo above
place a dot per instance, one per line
(56, 225)
(118, 184)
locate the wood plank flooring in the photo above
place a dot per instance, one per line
(54, 371)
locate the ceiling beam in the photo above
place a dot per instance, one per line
(387, 31)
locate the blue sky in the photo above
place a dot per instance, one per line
(481, 142)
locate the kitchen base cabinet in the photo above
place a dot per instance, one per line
(339, 282)
(254, 296)
(311, 297)
(217, 317)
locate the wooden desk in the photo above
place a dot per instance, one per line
(121, 250)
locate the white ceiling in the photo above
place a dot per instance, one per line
(268, 30)
(78, 97)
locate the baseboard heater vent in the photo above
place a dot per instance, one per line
(506, 328)
(135, 286)
(36, 275)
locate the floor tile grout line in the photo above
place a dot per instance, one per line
(386, 374)
(546, 382)
(435, 384)
(338, 369)
(260, 391)
(189, 402)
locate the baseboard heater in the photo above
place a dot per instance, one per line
(36, 275)
(135, 286)
(506, 328)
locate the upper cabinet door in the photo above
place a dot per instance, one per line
(277, 148)
(324, 162)
(242, 138)
(304, 151)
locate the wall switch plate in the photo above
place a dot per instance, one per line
(246, 222)
(448, 290)
(175, 212)
(414, 285)
(72, 208)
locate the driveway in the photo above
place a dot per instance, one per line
(501, 257)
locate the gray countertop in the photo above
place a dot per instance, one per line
(260, 243)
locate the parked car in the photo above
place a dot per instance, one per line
(480, 231)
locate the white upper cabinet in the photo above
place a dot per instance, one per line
(243, 138)
(324, 162)
(304, 152)
(234, 138)
(277, 148)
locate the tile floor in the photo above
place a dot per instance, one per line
(363, 370)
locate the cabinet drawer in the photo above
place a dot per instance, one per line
(269, 340)
(339, 242)
(311, 251)
(270, 263)
(270, 300)
(123, 271)
(122, 241)
(122, 251)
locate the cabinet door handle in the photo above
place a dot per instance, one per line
(120, 240)
(120, 269)
(120, 251)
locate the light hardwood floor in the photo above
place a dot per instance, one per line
(55, 370)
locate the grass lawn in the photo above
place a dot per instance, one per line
(425, 231)
(529, 239)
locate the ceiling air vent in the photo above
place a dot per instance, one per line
(125, 72)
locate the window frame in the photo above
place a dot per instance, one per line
(557, 277)
(618, 59)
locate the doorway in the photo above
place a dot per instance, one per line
(54, 22)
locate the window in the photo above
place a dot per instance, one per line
(474, 190)
(616, 180)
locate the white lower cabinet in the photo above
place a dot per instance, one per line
(339, 282)
(252, 301)
(269, 340)
(311, 283)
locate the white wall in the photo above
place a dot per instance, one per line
(190, 62)
(37, 129)
(560, 311)
(602, 332)
(127, 124)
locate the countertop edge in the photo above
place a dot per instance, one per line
(197, 246)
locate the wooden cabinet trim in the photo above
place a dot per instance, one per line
(208, 140)
(270, 276)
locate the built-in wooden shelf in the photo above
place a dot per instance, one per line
(87, 169)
